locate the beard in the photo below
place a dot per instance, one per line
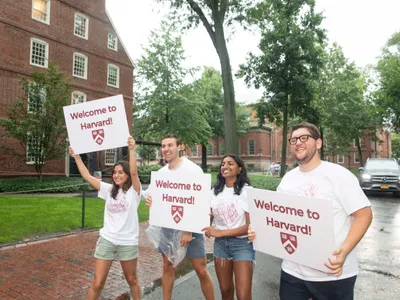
(306, 159)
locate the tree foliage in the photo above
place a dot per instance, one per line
(345, 110)
(37, 121)
(216, 16)
(163, 102)
(291, 46)
(388, 96)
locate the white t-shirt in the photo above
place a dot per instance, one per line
(229, 209)
(328, 181)
(121, 223)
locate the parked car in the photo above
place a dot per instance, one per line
(380, 175)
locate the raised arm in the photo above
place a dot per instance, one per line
(93, 181)
(133, 166)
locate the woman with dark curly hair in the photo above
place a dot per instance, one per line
(233, 254)
(120, 232)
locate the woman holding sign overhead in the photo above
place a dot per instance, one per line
(120, 232)
(233, 254)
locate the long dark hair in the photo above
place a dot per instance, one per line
(241, 179)
(128, 182)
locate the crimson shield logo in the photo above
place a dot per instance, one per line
(289, 242)
(177, 213)
(98, 136)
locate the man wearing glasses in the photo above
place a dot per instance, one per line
(351, 212)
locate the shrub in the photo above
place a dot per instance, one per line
(145, 172)
(266, 183)
(47, 185)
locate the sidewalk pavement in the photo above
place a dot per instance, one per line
(63, 268)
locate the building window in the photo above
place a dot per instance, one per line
(340, 159)
(222, 148)
(81, 26)
(78, 97)
(41, 11)
(32, 149)
(252, 148)
(356, 157)
(113, 76)
(39, 53)
(36, 97)
(80, 65)
(194, 151)
(210, 149)
(110, 157)
(112, 42)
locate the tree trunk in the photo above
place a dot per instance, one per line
(358, 145)
(284, 140)
(230, 126)
(322, 152)
(204, 158)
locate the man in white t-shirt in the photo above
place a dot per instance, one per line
(351, 212)
(193, 241)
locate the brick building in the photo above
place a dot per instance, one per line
(79, 37)
(261, 146)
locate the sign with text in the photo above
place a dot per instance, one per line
(97, 125)
(180, 201)
(295, 228)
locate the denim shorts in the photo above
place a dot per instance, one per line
(234, 248)
(106, 250)
(195, 249)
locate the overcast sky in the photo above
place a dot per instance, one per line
(361, 27)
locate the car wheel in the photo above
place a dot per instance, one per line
(396, 194)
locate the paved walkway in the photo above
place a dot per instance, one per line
(63, 268)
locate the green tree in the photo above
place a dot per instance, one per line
(164, 104)
(388, 96)
(208, 89)
(346, 112)
(291, 45)
(37, 121)
(395, 145)
(216, 16)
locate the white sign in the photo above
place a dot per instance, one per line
(180, 201)
(295, 228)
(97, 125)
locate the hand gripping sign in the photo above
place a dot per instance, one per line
(97, 125)
(180, 201)
(295, 228)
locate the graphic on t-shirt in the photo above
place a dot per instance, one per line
(177, 213)
(98, 136)
(309, 190)
(118, 205)
(225, 214)
(289, 242)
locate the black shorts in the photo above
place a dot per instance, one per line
(293, 288)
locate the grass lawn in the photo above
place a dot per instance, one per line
(24, 217)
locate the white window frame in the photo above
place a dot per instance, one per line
(79, 94)
(47, 13)
(44, 94)
(108, 75)
(356, 156)
(222, 145)
(86, 65)
(338, 159)
(248, 147)
(195, 154)
(46, 58)
(110, 152)
(112, 36)
(212, 149)
(86, 36)
(28, 162)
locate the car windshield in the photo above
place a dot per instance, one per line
(382, 165)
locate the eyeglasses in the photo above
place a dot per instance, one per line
(303, 138)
